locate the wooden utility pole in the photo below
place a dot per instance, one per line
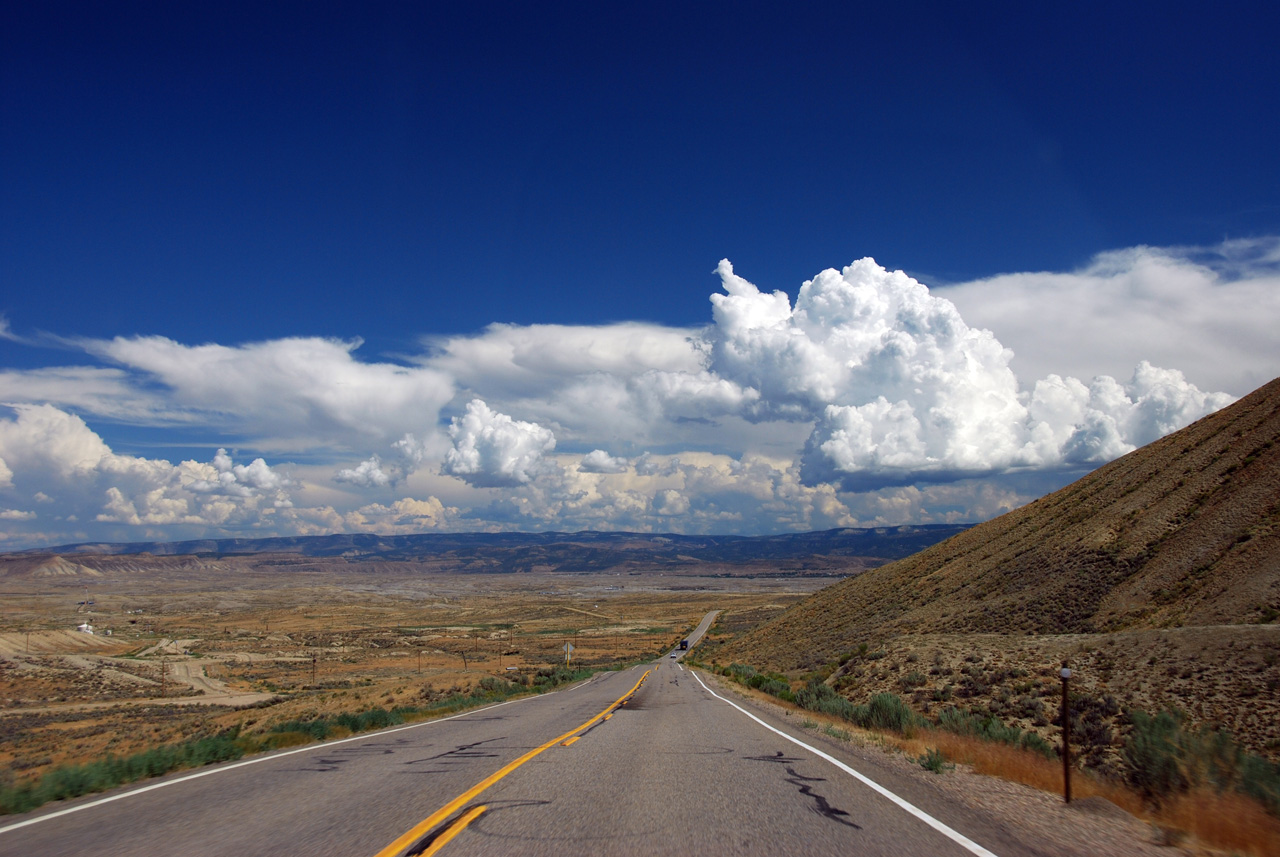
(1066, 734)
(314, 661)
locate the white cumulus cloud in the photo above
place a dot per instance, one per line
(901, 389)
(367, 474)
(492, 450)
(669, 503)
(57, 461)
(240, 480)
(406, 515)
(373, 472)
(599, 461)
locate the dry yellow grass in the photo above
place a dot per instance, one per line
(1228, 821)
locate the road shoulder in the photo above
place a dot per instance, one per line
(1004, 816)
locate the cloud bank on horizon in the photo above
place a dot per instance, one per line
(868, 400)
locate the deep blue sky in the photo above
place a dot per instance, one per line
(234, 172)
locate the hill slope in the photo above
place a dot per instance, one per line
(1185, 531)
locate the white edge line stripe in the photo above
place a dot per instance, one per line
(323, 745)
(955, 836)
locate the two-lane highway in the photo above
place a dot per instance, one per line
(678, 771)
(655, 766)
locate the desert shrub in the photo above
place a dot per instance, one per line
(816, 696)
(1164, 759)
(552, 677)
(837, 733)
(991, 728)
(824, 672)
(69, 781)
(367, 721)
(972, 684)
(780, 689)
(1260, 780)
(934, 760)
(888, 711)
(912, 679)
(317, 729)
(774, 684)
(1153, 754)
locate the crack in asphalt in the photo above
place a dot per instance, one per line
(821, 806)
(325, 765)
(462, 751)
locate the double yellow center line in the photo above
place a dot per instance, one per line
(435, 819)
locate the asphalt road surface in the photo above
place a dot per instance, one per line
(646, 761)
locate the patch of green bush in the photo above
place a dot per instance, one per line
(816, 696)
(887, 711)
(837, 733)
(934, 760)
(552, 677)
(914, 679)
(1163, 758)
(990, 728)
(774, 684)
(1260, 780)
(71, 781)
(1153, 753)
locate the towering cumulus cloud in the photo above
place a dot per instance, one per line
(491, 450)
(900, 389)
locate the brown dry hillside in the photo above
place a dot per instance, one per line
(1183, 532)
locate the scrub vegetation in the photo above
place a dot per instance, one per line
(69, 781)
(1184, 782)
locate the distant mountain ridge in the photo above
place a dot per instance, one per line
(1182, 532)
(584, 551)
